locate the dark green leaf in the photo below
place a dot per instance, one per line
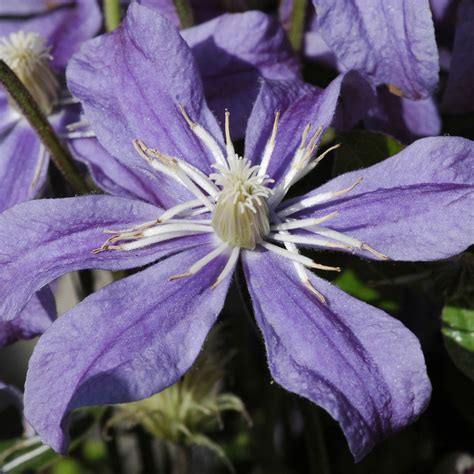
(458, 332)
(361, 148)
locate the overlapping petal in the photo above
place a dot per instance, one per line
(299, 104)
(126, 342)
(44, 239)
(130, 89)
(405, 119)
(22, 165)
(33, 321)
(416, 205)
(113, 176)
(392, 42)
(364, 367)
(232, 52)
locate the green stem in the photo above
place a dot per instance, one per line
(297, 26)
(112, 14)
(29, 108)
(185, 13)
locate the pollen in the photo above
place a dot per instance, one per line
(241, 214)
(29, 56)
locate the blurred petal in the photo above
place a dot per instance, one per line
(362, 366)
(33, 321)
(232, 53)
(130, 89)
(405, 119)
(41, 240)
(126, 342)
(416, 205)
(22, 166)
(392, 42)
(459, 95)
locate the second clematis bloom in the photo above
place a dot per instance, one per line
(208, 207)
(37, 39)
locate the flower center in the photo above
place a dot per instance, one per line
(241, 216)
(28, 55)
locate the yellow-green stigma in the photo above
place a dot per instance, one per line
(28, 55)
(241, 216)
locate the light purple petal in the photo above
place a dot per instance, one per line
(22, 166)
(362, 366)
(392, 42)
(459, 95)
(405, 119)
(416, 205)
(131, 89)
(112, 175)
(65, 27)
(126, 342)
(299, 105)
(33, 321)
(232, 52)
(41, 240)
(8, 116)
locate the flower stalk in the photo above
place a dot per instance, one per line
(112, 14)
(185, 13)
(29, 108)
(297, 24)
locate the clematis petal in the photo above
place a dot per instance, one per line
(126, 342)
(65, 25)
(130, 89)
(113, 176)
(8, 116)
(22, 165)
(299, 104)
(459, 95)
(405, 119)
(391, 42)
(41, 240)
(362, 366)
(33, 321)
(232, 52)
(416, 205)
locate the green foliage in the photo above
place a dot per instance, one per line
(458, 332)
(361, 148)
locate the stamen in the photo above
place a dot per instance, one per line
(269, 147)
(305, 203)
(346, 239)
(303, 240)
(302, 223)
(78, 125)
(178, 166)
(178, 226)
(179, 209)
(295, 257)
(229, 266)
(140, 243)
(29, 56)
(205, 137)
(202, 262)
(79, 134)
(228, 139)
(39, 166)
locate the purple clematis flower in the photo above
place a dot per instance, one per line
(391, 44)
(37, 39)
(232, 53)
(208, 208)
